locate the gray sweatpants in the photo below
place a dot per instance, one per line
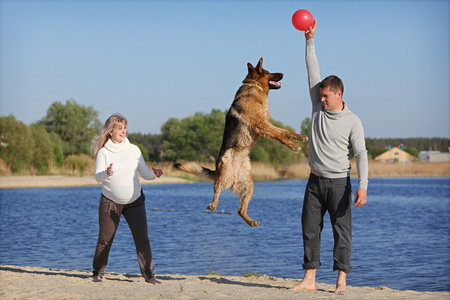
(332, 195)
(109, 216)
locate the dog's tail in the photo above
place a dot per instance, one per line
(196, 169)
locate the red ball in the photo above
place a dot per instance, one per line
(302, 20)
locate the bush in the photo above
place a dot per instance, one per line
(42, 149)
(16, 144)
(58, 155)
(75, 125)
(77, 163)
(144, 152)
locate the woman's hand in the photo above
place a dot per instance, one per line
(109, 170)
(158, 172)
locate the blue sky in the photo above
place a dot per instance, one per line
(153, 60)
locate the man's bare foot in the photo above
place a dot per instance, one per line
(153, 281)
(341, 283)
(304, 286)
(308, 283)
(95, 278)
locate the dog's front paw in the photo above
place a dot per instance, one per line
(211, 207)
(302, 138)
(296, 149)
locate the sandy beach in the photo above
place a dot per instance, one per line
(40, 283)
(64, 181)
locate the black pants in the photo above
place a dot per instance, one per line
(109, 216)
(332, 195)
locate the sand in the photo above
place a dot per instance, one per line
(39, 283)
(64, 181)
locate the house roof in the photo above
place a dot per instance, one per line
(394, 153)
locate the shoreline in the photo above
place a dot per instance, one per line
(43, 283)
(46, 181)
(41, 181)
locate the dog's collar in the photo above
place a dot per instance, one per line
(254, 85)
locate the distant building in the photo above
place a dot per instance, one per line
(434, 156)
(394, 154)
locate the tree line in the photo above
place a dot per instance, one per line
(65, 134)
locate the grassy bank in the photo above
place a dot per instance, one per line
(378, 169)
(261, 171)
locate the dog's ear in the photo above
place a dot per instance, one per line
(251, 69)
(259, 67)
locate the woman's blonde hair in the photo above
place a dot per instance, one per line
(110, 124)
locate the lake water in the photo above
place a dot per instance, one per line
(401, 237)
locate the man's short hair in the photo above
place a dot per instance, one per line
(334, 83)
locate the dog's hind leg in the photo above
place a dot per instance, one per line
(218, 188)
(220, 182)
(244, 198)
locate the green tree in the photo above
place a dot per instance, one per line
(151, 142)
(269, 151)
(42, 149)
(306, 127)
(75, 125)
(415, 144)
(259, 153)
(379, 152)
(143, 151)
(197, 137)
(412, 151)
(369, 150)
(16, 143)
(58, 155)
(305, 130)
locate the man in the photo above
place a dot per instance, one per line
(335, 131)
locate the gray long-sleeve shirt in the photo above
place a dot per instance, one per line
(333, 133)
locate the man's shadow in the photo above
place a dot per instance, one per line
(78, 275)
(247, 284)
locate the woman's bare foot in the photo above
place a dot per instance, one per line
(95, 278)
(341, 283)
(308, 283)
(153, 281)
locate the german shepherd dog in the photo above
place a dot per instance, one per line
(247, 119)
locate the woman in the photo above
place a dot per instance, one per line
(116, 166)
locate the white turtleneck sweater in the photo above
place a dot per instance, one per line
(123, 186)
